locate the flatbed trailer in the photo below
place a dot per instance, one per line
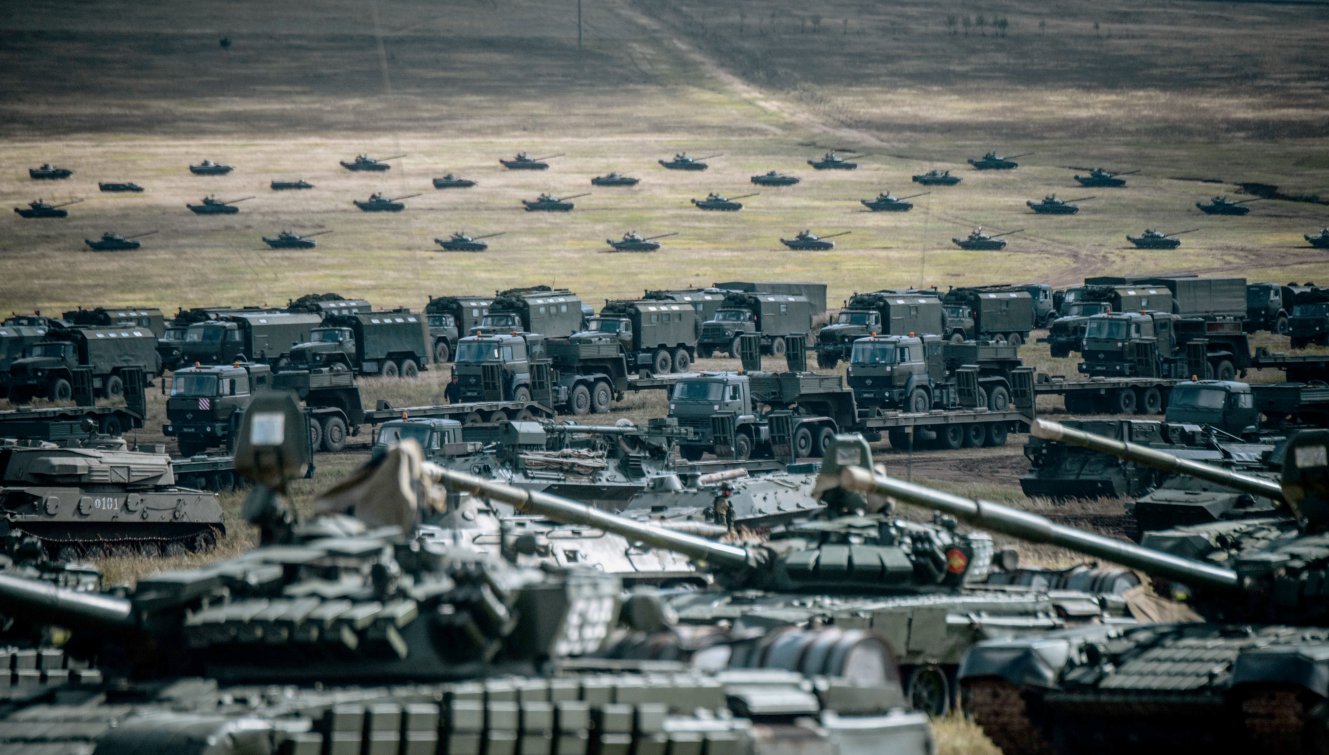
(1300, 368)
(215, 472)
(1108, 395)
(467, 413)
(954, 428)
(59, 423)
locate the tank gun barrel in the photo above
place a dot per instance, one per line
(408, 196)
(569, 512)
(394, 157)
(141, 235)
(1022, 154)
(237, 201)
(549, 157)
(1178, 233)
(1129, 172)
(833, 235)
(1157, 459)
(1248, 201)
(490, 235)
(1082, 199)
(320, 233)
(66, 204)
(1034, 528)
(660, 236)
(998, 235)
(708, 157)
(745, 196)
(575, 196)
(915, 196)
(42, 601)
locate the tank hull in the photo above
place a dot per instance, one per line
(719, 206)
(379, 206)
(290, 243)
(1101, 182)
(836, 165)
(927, 180)
(115, 187)
(994, 164)
(212, 209)
(1319, 242)
(1052, 209)
(462, 246)
(775, 180)
(675, 165)
(876, 206)
(127, 245)
(620, 181)
(210, 170)
(547, 206)
(1143, 243)
(1223, 209)
(291, 185)
(986, 245)
(635, 246)
(52, 174)
(369, 167)
(53, 212)
(453, 183)
(524, 165)
(808, 246)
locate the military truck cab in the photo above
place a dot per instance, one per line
(957, 322)
(452, 317)
(695, 400)
(878, 313)
(206, 404)
(440, 438)
(1161, 345)
(255, 336)
(920, 373)
(539, 309)
(774, 317)
(1227, 405)
(391, 344)
(1309, 322)
(50, 367)
(570, 376)
(658, 335)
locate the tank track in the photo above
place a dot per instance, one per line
(202, 539)
(1004, 716)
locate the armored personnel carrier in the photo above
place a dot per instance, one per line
(808, 241)
(774, 178)
(462, 242)
(48, 172)
(109, 497)
(296, 185)
(614, 178)
(365, 163)
(994, 161)
(119, 186)
(209, 168)
(1249, 679)
(887, 202)
(1319, 240)
(40, 209)
(1051, 205)
(353, 635)
(721, 203)
(684, 161)
(832, 161)
(937, 178)
(379, 203)
(211, 205)
(453, 181)
(635, 242)
(1152, 239)
(1101, 177)
(290, 240)
(977, 240)
(524, 162)
(551, 203)
(114, 242)
(1221, 205)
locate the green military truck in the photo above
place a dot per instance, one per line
(919, 373)
(1004, 314)
(390, 344)
(1066, 333)
(255, 336)
(886, 313)
(658, 335)
(704, 300)
(1269, 305)
(1192, 296)
(53, 367)
(450, 318)
(206, 404)
(328, 304)
(143, 317)
(774, 317)
(539, 309)
(1309, 322)
(815, 293)
(571, 377)
(14, 341)
(1162, 345)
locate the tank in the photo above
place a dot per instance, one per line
(977, 240)
(684, 161)
(462, 242)
(937, 178)
(1051, 205)
(524, 162)
(209, 168)
(114, 242)
(994, 161)
(103, 498)
(887, 202)
(365, 163)
(1103, 178)
(49, 172)
(635, 242)
(379, 203)
(1152, 239)
(551, 203)
(119, 186)
(1251, 678)
(291, 240)
(832, 161)
(211, 205)
(614, 178)
(811, 242)
(1319, 240)
(1221, 205)
(41, 209)
(930, 591)
(453, 181)
(773, 178)
(721, 203)
(296, 185)
(355, 635)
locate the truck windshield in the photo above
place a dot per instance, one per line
(1087, 309)
(440, 321)
(597, 325)
(1197, 397)
(500, 321)
(873, 353)
(956, 312)
(206, 333)
(1310, 310)
(173, 335)
(854, 317)
(733, 315)
(328, 335)
(416, 431)
(698, 390)
(193, 384)
(1107, 330)
(482, 351)
(51, 349)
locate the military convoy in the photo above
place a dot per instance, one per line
(658, 335)
(389, 344)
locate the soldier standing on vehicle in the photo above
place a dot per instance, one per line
(452, 394)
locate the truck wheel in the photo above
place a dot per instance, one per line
(898, 438)
(1059, 351)
(663, 364)
(777, 346)
(315, 435)
(919, 401)
(997, 432)
(733, 347)
(190, 448)
(521, 394)
(974, 435)
(824, 440)
(802, 442)
(1224, 370)
(389, 370)
(951, 437)
(111, 425)
(999, 399)
(601, 397)
(1015, 340)
(1123, 402)
(957, 337)
(999, 339)
(682, 360)
(472, 418)
(334, 434)
(442, 352)
(20, 395)
(827, 361)
(114, 388)
(691, 453)
(580, 400)
(409, 370)
(742, 447)
(1280, 325)
(705, 352)
(1151, 401)
(61, 390)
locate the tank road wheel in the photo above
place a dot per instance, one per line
(389, 370)
(1281, 326)
(999, 399)
(1224, 370)
(442, 352)
(662, 363)
(733, 347)
(929, 690)
(1015, 339)
(61, 390)
(114, 388)
(409, 370)
(682, 360)
(974, 435)
(825, 437)
(521, 394)
(334, 434)
(742, 447)
(997, 432)
(601, 397)
(1123, 402)
(315, 435)
(777, 347)
(580, 400)
(1151, 401)
(951, 437)
(803, 442)
(918, 401)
